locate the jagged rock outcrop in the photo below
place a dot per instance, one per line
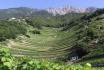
(69, 9)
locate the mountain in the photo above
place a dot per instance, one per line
(24, 11)
(70, 9)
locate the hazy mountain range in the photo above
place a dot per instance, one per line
(21, 12)
(24, 11)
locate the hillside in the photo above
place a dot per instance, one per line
(44, 43)
(22, 12)
(90, 36)
(72, 37)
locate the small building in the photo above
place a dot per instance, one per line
(12, 19)
(74, 58)
(77, 52)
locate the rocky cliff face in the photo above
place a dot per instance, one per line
(69, 9)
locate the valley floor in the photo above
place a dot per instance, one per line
(47, 44)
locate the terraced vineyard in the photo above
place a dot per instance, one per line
(44, 45)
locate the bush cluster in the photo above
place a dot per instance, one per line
(8, 62)
(10, 29)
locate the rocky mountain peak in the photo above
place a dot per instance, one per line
(69, 9)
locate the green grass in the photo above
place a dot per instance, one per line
(51, 43)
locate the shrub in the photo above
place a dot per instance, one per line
(10, 29)
(7, 62)
(36, 32)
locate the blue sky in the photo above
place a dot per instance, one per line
(50, 3)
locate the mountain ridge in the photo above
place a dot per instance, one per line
(25, 11)
(70, 9)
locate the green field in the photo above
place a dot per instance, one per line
(45, 45)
